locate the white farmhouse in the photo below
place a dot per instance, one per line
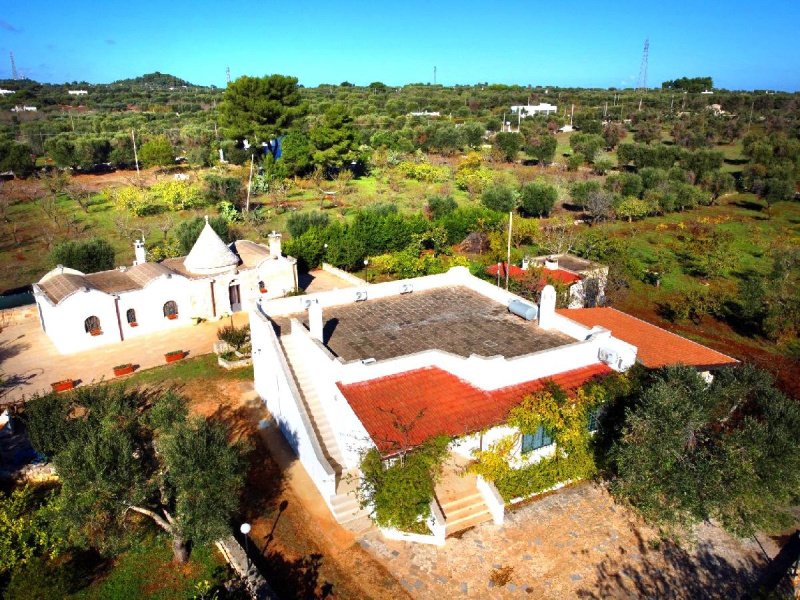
(81, 311)
(390, 365)
(531, 110)
(4, 92)
(77, 92)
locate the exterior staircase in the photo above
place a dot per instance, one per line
(465, 512)
(344, 504)
(322, 428)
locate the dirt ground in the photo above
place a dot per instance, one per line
(304, 553)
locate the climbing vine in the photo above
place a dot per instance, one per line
(566, 418)
(400, 490)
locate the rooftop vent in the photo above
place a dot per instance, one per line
(523, 309)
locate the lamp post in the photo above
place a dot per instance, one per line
(366, 269)
(245, 529)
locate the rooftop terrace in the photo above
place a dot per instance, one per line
(454, 319)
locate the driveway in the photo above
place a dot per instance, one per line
(575, 543)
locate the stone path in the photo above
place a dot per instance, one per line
(573, 543)
(30, 362)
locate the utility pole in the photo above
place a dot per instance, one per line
(14, 74)
(135, 155)
(228, 74)
(249, 185)
(434, 75)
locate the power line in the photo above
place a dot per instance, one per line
(642, 83)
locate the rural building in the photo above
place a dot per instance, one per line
(77, 92)
(81, 311)
(446, 354)
(584, 279)
(531, 110)
(23, 109)
(6, 92)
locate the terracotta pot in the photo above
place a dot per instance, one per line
(123, 370)
(172, 317)
(95, 332)
(262, 290)
(134, 324)
(173, 356)
(63, 385)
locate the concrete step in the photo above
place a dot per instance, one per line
(461, 502)
(464, 511)
(360, 525)
(470, 520)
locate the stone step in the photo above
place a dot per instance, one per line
(466, 522)
(360, 525)
(461, 502)
(345, 502)
(464, 511)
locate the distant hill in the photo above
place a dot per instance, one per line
(155, 80)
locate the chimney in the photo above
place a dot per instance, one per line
(551, 263)
(140, 252)
(547, 307)
(274, 244)
(315, 321)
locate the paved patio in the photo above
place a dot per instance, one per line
(576, 543)
(30, 362)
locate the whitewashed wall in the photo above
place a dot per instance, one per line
(275, 385)
(64, 322)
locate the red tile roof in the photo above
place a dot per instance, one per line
(516, 273)
(447, 405)
(656, 346)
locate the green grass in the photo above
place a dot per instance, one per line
(146, 571)
(200, 368)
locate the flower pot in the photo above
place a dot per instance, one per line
(121, 370)
(172, 317)
(95, 332)
(133, 324)
(173, 356)
(262, 290)
(63, 385)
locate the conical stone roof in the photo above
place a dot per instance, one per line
(210, 254)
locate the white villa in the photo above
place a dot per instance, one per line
(451, 354)
(81, 311)
(531, 110)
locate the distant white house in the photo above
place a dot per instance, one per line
(24, 109)
(6, 92)
(530, 110)
(706, 92)
(424, 113)
(77, 92)
(81, 311)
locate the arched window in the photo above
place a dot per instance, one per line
(130, 315)
(92, 325)
(170, 309)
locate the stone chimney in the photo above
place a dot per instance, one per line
(274, 244)
(140, 252)
(315, 321)
(551, 263)
(547, 307)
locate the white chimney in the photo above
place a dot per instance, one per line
(140, 252)
(274, 244)
(551, 263)
(526, 262)
(315, 320)
(547, 307)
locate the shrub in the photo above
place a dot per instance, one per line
(439, 206)
(631, 208)
(423, 171)
(624, 184)
(299, 223)
(157, 152)
(86, 256)
(135, 201)
(175, 195)
(17, 158)
(222, 187)
(500, 198)
(575, 161)
(580, 190)
(537, 199)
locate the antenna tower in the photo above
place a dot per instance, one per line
(14, 74)
(434, 75)
(642, 84)
(228, 74)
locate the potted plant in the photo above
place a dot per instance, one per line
(174, 355)
(63, 385)
(121, 370)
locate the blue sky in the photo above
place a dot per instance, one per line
(594, 44)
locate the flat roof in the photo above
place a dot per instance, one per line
(454, 319)
(434, 402)
(656, 347)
